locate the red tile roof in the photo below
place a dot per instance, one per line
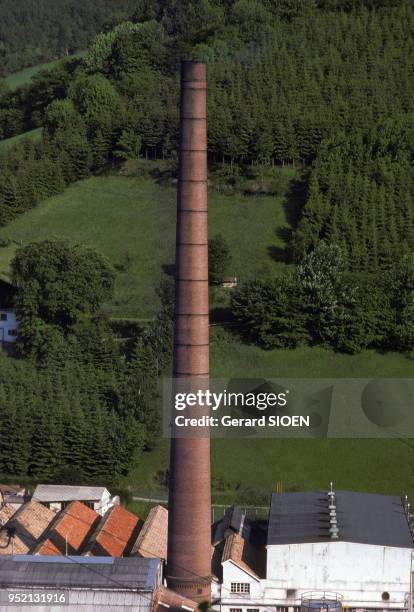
(69, 532)
(114, 533)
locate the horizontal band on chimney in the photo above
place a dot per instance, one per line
(198, 280)
(194, 210)
(185, 81)
(179, 243)
(192, 314)
(191, 343)
(191, 374)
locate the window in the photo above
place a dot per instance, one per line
(253, 610)
(3, 316)
(12, 332)
(236, 610)
(240, 587)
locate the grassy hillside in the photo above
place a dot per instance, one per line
(23, 77)
(360, 464)
(33, 135)
(132, 221)
(378, 466)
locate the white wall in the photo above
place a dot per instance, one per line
(8, 325)
(358, 572)
(232, 573)
(104, 503)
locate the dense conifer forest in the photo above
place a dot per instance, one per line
(326, 86)
(35, 31)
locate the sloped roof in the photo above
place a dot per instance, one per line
(29, 521)
(114, 533)
(11, 488)
(58, 493)
(244, 555)
(71, 530)
(365, 518)
(167, 598)
(152, 539)
(231, 521)
(75, 571)
(6, 512)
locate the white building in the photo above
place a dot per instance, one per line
(57, 497)
(352, 549)
(8, 325)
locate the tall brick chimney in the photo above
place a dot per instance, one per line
(189, 523)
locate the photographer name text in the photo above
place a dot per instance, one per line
(230, 421)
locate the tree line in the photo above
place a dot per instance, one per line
(360, 196)
(77, 406)
(36, 31)
(325, 85)
(322, 302)
(277, 87)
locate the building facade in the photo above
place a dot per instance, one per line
(349, 550)
(8, 325)
(58, 497)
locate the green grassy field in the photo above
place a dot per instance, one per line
(132, 221)
(251, 469)
(33, 135)
(22, 77)
(383, 466)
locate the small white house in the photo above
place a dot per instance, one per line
(8, 325)
(57, 497)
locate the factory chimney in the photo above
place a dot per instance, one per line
(189, 522)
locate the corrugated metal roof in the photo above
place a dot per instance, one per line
(57, 493)
(109, 600)
(59, 572)
(362, 518)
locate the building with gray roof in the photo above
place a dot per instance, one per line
(57, 497)
(324, 550)
(85, 583)
(364, 518)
